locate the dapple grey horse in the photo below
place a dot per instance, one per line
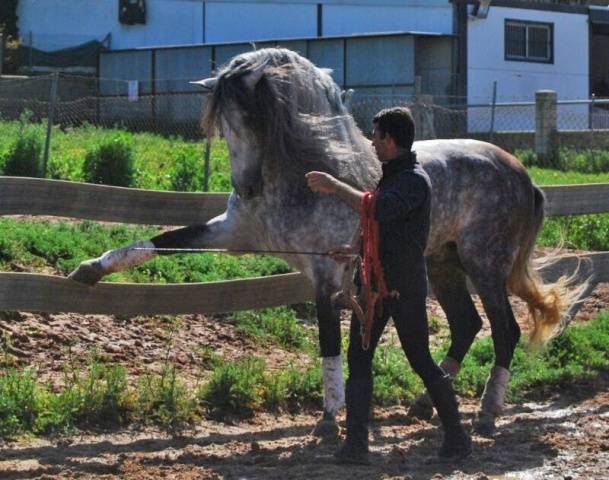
(282, 117)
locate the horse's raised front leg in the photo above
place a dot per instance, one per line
(329, 341)
(223, 231)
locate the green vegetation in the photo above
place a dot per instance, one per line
(159, 163)
(588, 161)
(110, 162)
(101, 397)
(277, 325)
(61, 246)
(104, 395)
(23, 157)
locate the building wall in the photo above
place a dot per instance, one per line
(410, 16)
(239, 21)
(56, 24)
(59, 24)
(568, 75)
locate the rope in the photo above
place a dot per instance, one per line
(227, 250)
(373, 279)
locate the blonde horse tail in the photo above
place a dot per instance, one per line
(547, 302)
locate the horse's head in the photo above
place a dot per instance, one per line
(225, 113)
(281, 116)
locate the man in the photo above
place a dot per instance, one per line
(402, 212)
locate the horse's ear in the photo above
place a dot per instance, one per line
(207, 83)
(252, 77)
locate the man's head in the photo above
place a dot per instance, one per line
(393, 132)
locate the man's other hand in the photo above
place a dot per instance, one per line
(321, 182)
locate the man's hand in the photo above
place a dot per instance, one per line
(321, 182)
(344, 253)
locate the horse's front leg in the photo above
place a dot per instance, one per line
(223, 231)
(329, 341)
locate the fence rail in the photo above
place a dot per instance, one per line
(34, 196)
(33, 292)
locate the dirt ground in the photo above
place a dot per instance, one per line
(564, 437)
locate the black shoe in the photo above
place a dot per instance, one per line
(353, 453)
(457, 445)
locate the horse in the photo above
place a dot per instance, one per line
(282, 117)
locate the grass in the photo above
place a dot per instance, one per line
(61, 246)
(101, 396)
(158, 160)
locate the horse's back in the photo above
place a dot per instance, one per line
(479, 191)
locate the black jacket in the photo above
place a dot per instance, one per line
(402, 212)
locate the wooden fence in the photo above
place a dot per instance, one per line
(33, 292)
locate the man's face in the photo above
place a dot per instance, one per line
(382, 145)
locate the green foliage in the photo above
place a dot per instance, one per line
(111, 162)
(186, 171)
(63, 245)
(394, 380)
(235, 389)
(239, 389)
(293, 389)
(24, 158)
(272, 324)
(588, 161)
(17, 402)
(584, 232)
(101, 397)
(164, 399)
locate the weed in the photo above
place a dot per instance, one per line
(111, 162)
(235, 389)
(24, 157)
(272, 324)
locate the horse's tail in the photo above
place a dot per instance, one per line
(547, 302)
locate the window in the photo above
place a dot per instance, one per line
(529, 41)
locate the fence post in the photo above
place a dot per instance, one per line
(206, 165)
(546, 128)
(491, 134)
(1, 52)
(47, 143)
(422, 112)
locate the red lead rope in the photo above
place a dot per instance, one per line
(373, 280)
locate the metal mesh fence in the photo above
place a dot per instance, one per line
(156, 107)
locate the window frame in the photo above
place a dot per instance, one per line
(527, 24)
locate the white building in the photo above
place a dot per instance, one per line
(523, 46)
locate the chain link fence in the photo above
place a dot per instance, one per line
(71, 101)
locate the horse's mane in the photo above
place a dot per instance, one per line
(295, 112)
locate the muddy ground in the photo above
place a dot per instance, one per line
(564, 436)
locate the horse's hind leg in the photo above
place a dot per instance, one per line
(449, 285)
(490, 284)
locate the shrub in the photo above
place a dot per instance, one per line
(235, 389)
(110, 162)
(24, 158)
(187, 171)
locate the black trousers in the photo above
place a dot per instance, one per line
(410, 318)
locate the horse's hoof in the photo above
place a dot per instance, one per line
(484, 424)
(421, 408)
(88, 273)
(326, 429)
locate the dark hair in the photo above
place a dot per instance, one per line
(397, 122)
